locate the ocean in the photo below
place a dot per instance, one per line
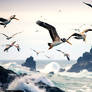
(70, 82)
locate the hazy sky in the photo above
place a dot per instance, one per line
(73, 14)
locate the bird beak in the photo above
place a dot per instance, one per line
(84, 39)
(50, 47)
(68, 42)
(16, 18)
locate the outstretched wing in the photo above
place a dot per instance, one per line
(13, 43)
(35, 51)
(3, 20)
(88, 4)
(51, 29)
(7, 48)
(68, 58)
(16, 34)
(60, 51)
(85, 31)
(4, 34)
(17, 46)
(74, 34)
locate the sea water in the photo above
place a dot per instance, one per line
(70, 82)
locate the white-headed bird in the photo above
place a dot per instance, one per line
(4, 21)
(53, 33)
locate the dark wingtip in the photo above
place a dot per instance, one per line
(38, 22)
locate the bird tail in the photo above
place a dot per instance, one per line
(1, 23)
(17, 46)
(50, 45)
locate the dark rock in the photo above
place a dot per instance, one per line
(30, 63)
(54, 89)
(6, 76)
(61, 70)
(52, 73)
(14, 91)
(83, 62)
(38, 71)
(48, 88)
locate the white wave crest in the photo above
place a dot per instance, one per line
(51, 67)
(16, 68)
(27, 83)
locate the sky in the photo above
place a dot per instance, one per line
(73, 14)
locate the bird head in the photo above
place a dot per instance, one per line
(14, 17)
(65, 40)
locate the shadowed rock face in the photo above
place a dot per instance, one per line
(6, 76)
(14, 91)
(42, 86)
(83, 62)
(48, 88)
(31, 63)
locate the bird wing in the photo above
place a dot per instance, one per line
(4, 35)
(7, 47)
(17, 46)
(35, 51)
(13, 43)
(68, 58)
(3, 20)
(60, 51)
(52, 30)
(47, 56)
(88, 4)
(85, 31)
(74, 34)
(16, 34)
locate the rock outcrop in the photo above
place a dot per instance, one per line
(61, 70)
(48, 88)
(6, 76)
(83, 62)
(31, 63)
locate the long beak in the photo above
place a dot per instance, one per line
(68, 42)
(16, 18)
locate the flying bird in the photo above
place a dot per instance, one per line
(65, 54)
(53, 33)
(8, 46)
(9, 37)
(47, 56)
(88, 4)
(81, 35)
(17, 46)
(37, 53)
(4, 21)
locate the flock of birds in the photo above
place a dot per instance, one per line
(56, 40)
(4, 22)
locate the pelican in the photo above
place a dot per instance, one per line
(47, 56)
(4, 21)
(8, 46)
(65, 54)
(37, 53)
(9, 37)
(54, 35)
(88, 4)
(81, 35)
